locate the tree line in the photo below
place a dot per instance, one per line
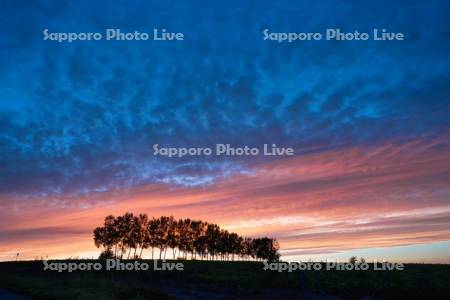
(130, 234)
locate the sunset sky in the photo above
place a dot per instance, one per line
(369, 122)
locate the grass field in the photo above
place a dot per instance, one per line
(226, 280)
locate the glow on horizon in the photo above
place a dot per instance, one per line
(331, 204)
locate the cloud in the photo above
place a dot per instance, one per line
(81, 106)
(337, 200)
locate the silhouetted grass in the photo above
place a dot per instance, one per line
(227, 279)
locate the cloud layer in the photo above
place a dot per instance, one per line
(334, 201)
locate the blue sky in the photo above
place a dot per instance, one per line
(65, 104)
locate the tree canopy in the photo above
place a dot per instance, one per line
(131, 234)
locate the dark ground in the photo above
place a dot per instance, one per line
(6, 295)
(225, 280)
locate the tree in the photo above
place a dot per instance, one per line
(127, 233)
(106, 236)
(173, 235)
(105, 254)
(152, 229)
(161, 234)
(212, 239)
(143, 233)
(198, 229)
(247, 250)
(236, 244)
(128, 230)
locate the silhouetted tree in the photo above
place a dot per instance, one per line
(107, 253)
(128, 233)
(143, 233)
(212, 240)
(247, 250)
(201, 239)
(173, 235)
(151, 239)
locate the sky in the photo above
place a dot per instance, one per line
(369, 122)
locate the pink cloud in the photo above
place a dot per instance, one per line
(361, 197)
